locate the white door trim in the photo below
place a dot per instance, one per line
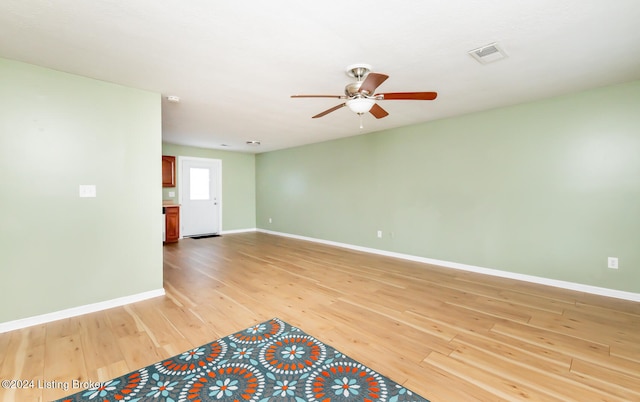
(218, 162)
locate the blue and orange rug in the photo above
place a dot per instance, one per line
(268, 362)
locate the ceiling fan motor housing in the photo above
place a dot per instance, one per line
(352, 89)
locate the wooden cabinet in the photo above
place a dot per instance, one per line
(168, 171)
(171, 223)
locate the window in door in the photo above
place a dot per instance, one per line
(199, 189)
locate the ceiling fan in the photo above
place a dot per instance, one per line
(360, 95)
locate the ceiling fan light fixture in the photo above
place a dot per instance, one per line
(360, 105)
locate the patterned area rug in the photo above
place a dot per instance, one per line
(271, 361)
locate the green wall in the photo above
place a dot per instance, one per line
(548, 189)
(238, 184)
(59, 251)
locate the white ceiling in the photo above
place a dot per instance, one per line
(234, 64)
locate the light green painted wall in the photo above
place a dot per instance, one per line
(59, 251)
(238, 184)
(548, 189)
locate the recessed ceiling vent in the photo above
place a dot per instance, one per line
(488, 53)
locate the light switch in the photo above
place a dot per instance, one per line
(87, 190)
(172, 193)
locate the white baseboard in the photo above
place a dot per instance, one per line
(238, 231)
(618, 294)
(76, 311)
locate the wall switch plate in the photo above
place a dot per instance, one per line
(270, 220)
(87, 190)
(379, 234)
(172, 194)
(612, 262)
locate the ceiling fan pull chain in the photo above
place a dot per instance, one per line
(360, 114)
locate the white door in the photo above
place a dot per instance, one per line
(200, 198)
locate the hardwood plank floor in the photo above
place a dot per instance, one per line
(448, 335)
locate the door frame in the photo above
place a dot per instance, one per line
(218, 163)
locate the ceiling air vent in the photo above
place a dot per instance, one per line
(488, 53)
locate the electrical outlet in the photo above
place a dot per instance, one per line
(612, 262)
(379, 234)
(87, 191)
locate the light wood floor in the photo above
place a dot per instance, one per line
(448, 335)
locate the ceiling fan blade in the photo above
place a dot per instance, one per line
(378, 112)
(408, 95)
(372, 82)
(333, 109)
(319, 96)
